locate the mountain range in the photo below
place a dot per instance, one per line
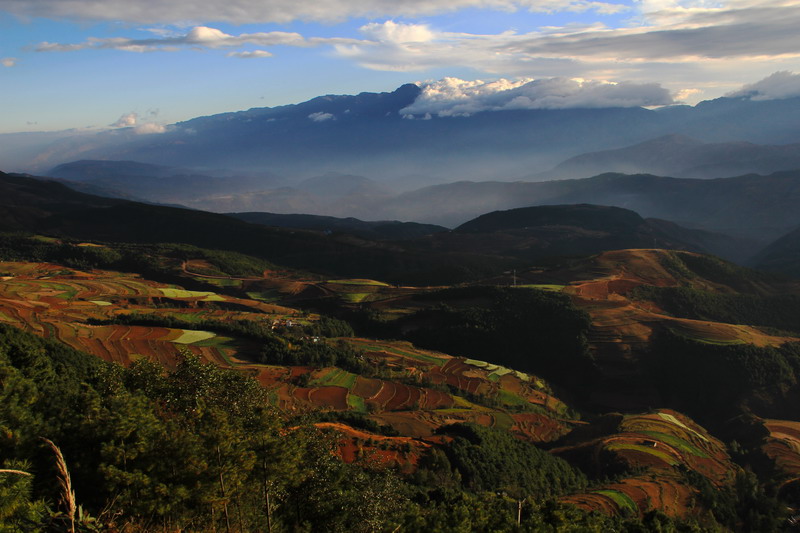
(371, 134)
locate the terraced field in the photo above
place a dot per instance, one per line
(663, 444)
(63, 303)
(783, 446)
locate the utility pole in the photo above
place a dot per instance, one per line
(519, 512)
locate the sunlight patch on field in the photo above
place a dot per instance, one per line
(497, 370)
(542, 287)
(183, 293)
(669, 418)
(190, 336)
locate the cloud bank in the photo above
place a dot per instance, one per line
(777, 86)
(690, 45)
(198, 37)
(280, 11)
(455, 97)
(8, 61)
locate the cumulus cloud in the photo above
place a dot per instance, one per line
(8, 61)
(250, 55)
(391, 31)
(149, 128)
(321, 117)
(777, 86)
(455, 97)
(126, 121)
(281, 11)
(132, 120)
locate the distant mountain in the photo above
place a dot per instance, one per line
(155, 183)
(377, 230)
(754, 207)
(368, 134)
(534, 233)
(681, 157)
(334, 185)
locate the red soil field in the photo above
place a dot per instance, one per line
(367, 388)
(662, 493)
(783, 446)
(402, 452)
(302, 393)
(332, 397)
(386, 393)
(538, 428)
(402, 394)
(434, 399)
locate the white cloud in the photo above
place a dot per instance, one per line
(199, 36)
(394, 32)
(281, 11)
(686, 94)
(149, 128)
(704, 45)
(126, 121)
(732, 36)
(131, 120)
(8, 61)
(250, 55)
(776, 86)
(455, 97)
(321, 117)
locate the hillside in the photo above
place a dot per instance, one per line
(52, 208)
(781, 256)
(444, 408)
(539, 232)
(444, 257)
(599, 387)
(376, 230)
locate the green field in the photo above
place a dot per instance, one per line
(509, 398)
(335, 377)
(182, 293)
(356, 403)
(503, 420)
(622, 446)
(676, 442)
(621, 499)
(354, 297)
(268, 296)
(543, 287)
(221, 282)
(68, 293)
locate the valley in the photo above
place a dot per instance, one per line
(391, 390)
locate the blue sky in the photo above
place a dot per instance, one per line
(148, 63)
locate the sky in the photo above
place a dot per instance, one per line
(92, 64)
